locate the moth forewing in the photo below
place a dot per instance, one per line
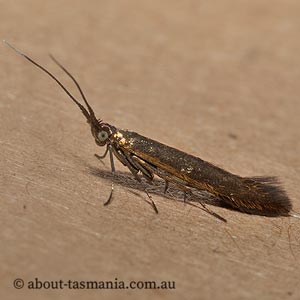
(257, 195)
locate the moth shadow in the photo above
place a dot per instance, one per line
(197, 198)
(155, 187)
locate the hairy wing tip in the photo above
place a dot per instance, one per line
(273, 196)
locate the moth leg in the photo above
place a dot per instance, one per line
(135, 167)
(112, 151)
(166, 186)
(122, 158)
(100, 157)
(146, 172)
(151, 202)
(113, 170)
(206, 209)
(155, 171)
(188, 192)
(139, 164)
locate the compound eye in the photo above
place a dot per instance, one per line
(102, 136)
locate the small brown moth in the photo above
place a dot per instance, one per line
(141, 155)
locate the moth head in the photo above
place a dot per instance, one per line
(102, 133)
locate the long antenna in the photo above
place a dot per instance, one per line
(76, 83)
(82, 108)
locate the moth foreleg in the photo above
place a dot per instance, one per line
(100, 157)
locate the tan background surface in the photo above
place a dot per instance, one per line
(218, 79)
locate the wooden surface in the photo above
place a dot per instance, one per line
(217, 79)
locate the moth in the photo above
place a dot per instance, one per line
(146, 157)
